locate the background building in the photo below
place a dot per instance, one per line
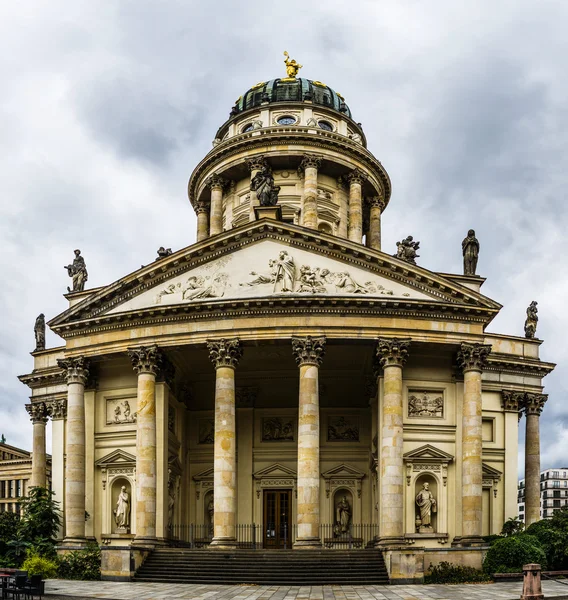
(553, 492)
(285, 371)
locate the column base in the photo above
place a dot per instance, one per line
(73, 543)
(308, 544)
(468, 541)
(223, 543)
(393, 540)
(146, 542)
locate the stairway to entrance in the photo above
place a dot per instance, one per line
(265, 567)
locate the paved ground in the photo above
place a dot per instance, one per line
(84, 590)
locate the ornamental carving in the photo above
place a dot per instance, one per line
(225, 353)
(76, 369)
(57, 408)
(392, 352)
(146, 359)
(407, 250)
(38, 412)
(216, 181)
(256, 162)
(531, 320)
(276, 429)
(310, 161)
(308, 350)
(534, 403)
(201, 207)
(377, 202)
(512, 401)
(427, 404)
(356, 176)
(473, 357)
(343, 429)
(119, 411)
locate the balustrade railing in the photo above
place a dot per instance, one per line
(254, 537)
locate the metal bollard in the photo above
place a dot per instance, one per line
(532, 588)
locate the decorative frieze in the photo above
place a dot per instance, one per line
(146, 359)
(225, 353)
(308, 350)
(76, 369)
(119, 411)
(392, 352)
(473, 357)
(426, 404)
(277, 429)
(342, 429)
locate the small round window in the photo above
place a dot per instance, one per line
(248, 127)
(286, 120)
(325, 125)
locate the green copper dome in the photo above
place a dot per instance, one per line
(291, 90)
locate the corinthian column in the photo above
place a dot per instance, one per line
(309, 353)
(202, 210)
(356, 178)
(392, 354)
(216, 183)
(532, 406)
(376, 207)
(310, 164)
(38, 416)
(225, 355)
(77, 372)
(146, 361)
(472, 359)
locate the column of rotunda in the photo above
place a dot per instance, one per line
(146, 361)
(532, 407)
(216, 183)
(472, 359)
(310, 164)
(202, 210)
(77, 373)
(392, 354)
(343, 201)
(225, 355)
(376, 206)
(309, 353)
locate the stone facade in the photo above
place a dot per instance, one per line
(287, 374)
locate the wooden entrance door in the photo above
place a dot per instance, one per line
(277, 518)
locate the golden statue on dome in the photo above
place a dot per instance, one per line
(292, 67)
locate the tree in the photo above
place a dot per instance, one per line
(513, 526)
(41, 517)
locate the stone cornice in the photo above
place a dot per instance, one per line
(43, 378)
(454, 298)
(270, 137)
(517, 365)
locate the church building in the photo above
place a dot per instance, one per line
(285, 381)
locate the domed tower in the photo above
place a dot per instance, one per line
(304, 133)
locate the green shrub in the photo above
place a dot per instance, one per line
(9, 523)
(491, 539)
(446, 572)
(81, 564)
(508, 555)
(554, 542)
(512, 526)
(41, 517)
(38, 565)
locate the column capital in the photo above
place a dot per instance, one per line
(256, 162)
(76, 369)
(376, 202)
(57, 408)
(308, 350)
(534, 403)
(225, 353)
(146, 359)
(472, 357)
(310, 160)
(216, 181)
(201, 207)
(512, 401)
(356, 176)
(392, 352)
(38, 412)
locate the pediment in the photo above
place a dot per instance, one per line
(427, 453)
(205, 475)
(490, 472)
(345, 471)
(275, 471)
(273, 261)
(117, 458)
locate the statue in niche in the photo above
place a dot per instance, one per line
(532, 320)
(211, 509)
(78, 272)
(407, 250)
(263, 184)
(39, 331)
(470, 250)
(342, 516)
(427, 505)
(122, 511)
(285, 273)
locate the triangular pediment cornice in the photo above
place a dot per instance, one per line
(436, 293)
(427, 453)
(276, 470)
(204, 475)
(344, 471)
(117, 458)
(490, 472)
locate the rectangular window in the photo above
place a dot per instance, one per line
(487, 430)
(2, 489)
(555, 474)
(18, 489)
(556, 493)
(556, 484)
(556, 504)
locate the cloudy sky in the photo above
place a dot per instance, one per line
(107, 106)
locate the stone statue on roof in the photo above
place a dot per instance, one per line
(470, 250)
(531, 320)
(39, 331)
(263, 184)
(78, 272)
